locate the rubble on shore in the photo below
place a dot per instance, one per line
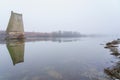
(113, 43)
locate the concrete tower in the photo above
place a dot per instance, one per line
(15, 27)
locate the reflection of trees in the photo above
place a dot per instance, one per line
(114, 71)
(30, 39)
(16, 50)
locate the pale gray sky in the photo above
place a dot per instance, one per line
(85, 16)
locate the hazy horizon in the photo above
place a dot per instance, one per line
(85, 16)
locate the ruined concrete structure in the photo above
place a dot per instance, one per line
(15, 27)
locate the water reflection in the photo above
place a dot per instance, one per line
(54, 59)
(16, 50)
(60, 40)
(16, 47)
(114, 71)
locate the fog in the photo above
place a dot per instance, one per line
(85, 16)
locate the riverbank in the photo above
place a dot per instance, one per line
(39, 36)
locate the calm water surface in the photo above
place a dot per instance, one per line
(66, 59)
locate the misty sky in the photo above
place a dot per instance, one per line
(85, 16)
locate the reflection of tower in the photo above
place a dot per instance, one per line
(16, 51)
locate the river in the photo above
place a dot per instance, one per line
(57, 59)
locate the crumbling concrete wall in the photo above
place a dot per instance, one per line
(15, 28)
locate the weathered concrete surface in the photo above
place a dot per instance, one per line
(15, 28)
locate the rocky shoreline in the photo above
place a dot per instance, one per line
(113, 43)
(114, 71)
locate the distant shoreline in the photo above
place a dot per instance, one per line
(63, 34)
(45, 36)
(40, 36)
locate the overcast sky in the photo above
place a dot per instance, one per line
(85, 16)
